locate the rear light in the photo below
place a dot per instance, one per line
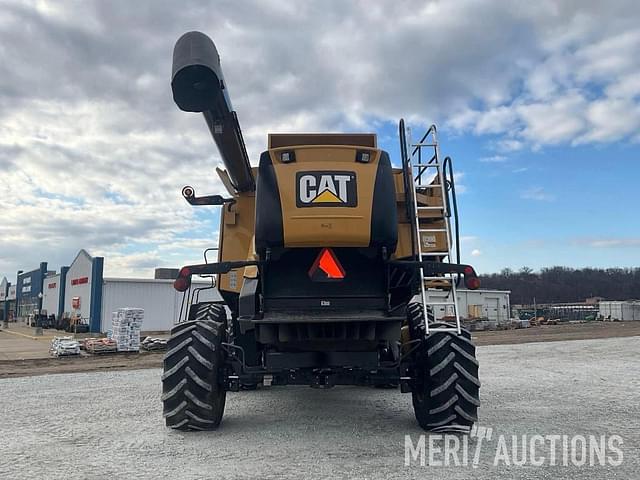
(363, 157)
(288, 157)
(472, 283)
(469, 271)
(182, 284)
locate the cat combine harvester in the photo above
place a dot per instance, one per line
(323, 248)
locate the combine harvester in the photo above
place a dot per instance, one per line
(323, 247)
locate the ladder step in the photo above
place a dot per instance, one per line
(443, 329)
(425, 165)
(430, 208)
(432, 229)
(440, 303)
(424, 144)
(448, 279)
(430, 185)
(434, 254)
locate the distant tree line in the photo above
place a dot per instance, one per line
(565, 285)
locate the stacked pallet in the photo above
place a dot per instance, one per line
(126, 325)
(100, 345)
(63, 346)
(152, 344)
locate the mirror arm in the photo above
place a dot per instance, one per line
(189, 195)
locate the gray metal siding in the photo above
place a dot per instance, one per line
(494, 304)
(51, 294)
(160, 301)
(623, 311)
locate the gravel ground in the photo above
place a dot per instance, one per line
(108, 424)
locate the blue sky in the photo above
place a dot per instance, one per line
(559, 205)
(538, 103)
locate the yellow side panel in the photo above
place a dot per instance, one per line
(326, 226)
(236, 238)
(431, 241)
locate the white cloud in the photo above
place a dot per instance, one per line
(537, 193)
(93, 153)
(458, 178)
(476, 253)
(509, 145)
(494, 159)
(582, 86)
(609, 242)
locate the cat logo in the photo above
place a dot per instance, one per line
(326, 189)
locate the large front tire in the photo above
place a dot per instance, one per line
(446, 394)
(193, 391)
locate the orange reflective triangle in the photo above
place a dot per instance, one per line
(326, 267)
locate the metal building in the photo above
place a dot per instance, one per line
(622, 311)
(83, 289)
(29, 291)
(4, 304)
(160, 301)
(10, 303)
(53, 289)
(93, 298)
(491, 305)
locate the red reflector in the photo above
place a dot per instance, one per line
(326, 267)
(184, 272)
(468, 271)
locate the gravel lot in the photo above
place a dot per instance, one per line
(108, 424)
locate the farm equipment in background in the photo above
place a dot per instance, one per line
(72, 323)
(323, 248)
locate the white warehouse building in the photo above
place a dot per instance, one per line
(160, 301)
(93, 298)
(482, 304)
(622, 311)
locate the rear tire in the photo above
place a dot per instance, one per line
(446, 395)
(208, 312)
(192, 384)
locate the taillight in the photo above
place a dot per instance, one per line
(183, 282)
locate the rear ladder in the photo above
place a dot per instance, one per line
(423, 161)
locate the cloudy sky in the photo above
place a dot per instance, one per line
(537, 102)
